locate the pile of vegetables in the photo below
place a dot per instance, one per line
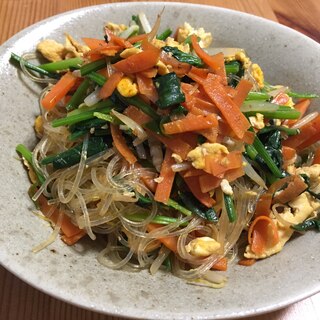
(177, 151)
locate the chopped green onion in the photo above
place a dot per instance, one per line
(103, 116)
(93, 66)
(175, 205)
(73, 63)
(27, 154)
(302, 95)
(188, 40)
(96, 107)
(251, 151)
(33, 67)
(79, 95)
(288, 131)
(82, 115)
(159, 219)
(252, 107)
(229, 204)
(232, 67)
(165, 34)
(97, 78)
(269, 110)
(252, 95)
(171, 203)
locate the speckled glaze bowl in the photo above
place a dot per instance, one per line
(73, 274)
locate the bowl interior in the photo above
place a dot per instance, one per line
(73, 274)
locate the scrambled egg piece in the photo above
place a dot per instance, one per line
(170, 42)
(290, 103)
(51, 50)
(313, 172)
(129, 52)
(203, 247)
(197, 155)
(73, 48)
(226, 188)
(253, 68)
(162, 68)
(301, 208)
(257, 74)
(242, 57)
(55, 51)
(257, 121)
(116, 28)
(38, 126)
(187, 30)
(127, 88)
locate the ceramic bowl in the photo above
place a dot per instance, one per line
(73, 273)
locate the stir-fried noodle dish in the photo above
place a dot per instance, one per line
(173, 152)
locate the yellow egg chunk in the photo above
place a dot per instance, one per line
(127, 88)
(203, 247)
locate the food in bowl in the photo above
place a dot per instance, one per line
(170, 149)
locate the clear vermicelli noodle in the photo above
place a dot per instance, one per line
(173, 153)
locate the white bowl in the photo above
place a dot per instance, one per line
(286, 56)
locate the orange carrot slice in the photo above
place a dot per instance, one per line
(110, 85)
(221, 265)
(234, 174)
(59, 90)
(170, 242)
(295, 187)
(316, 158)
(139, 62)
(120, 144)
(191, 123)
(137, 115)
(208, 182)
(194, 186)
(308, 135)
(95, 43)
(259, 234)
(230, 111)
(247, 262)
(167, 176)
(192, 172)
(216, 62)
(302, 106)
(147, 88)
(117, 40)
(177, 145)
(219, 165)
(139, 37)
(243, 88)
(71, 233)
